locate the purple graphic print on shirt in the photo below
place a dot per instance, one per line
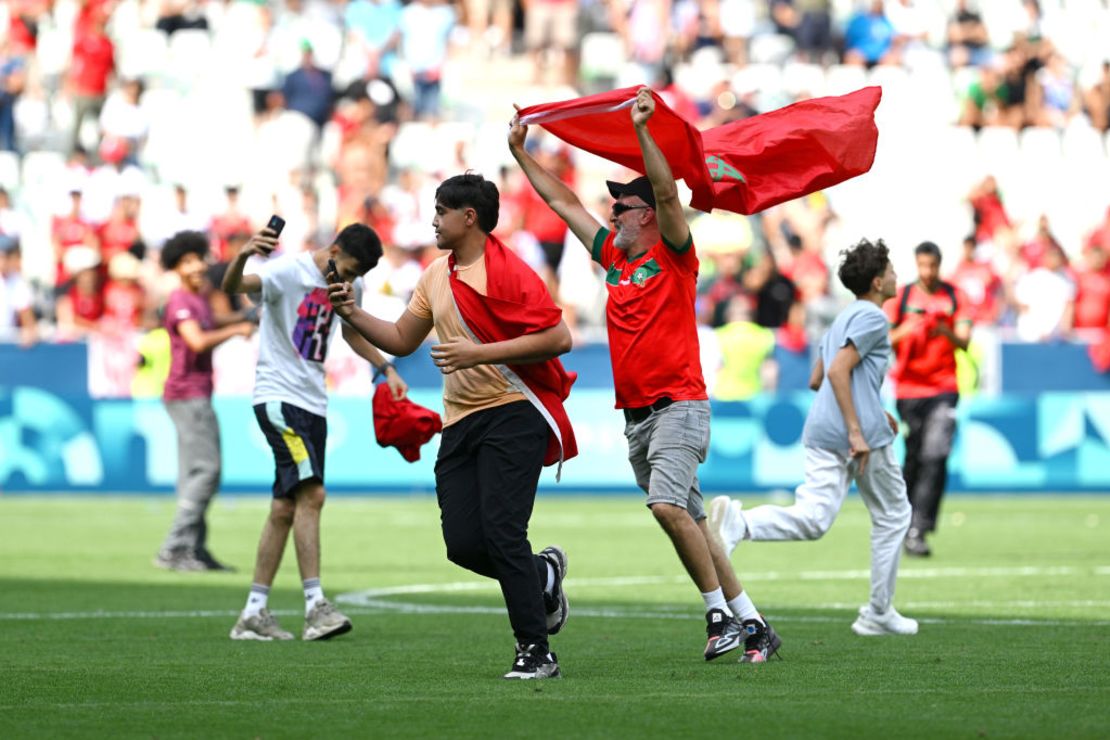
(310, 335)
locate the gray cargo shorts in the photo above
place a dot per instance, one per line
(665, 450)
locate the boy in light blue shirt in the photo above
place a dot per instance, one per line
(847, 436)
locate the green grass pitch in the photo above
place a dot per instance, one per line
(94, 642)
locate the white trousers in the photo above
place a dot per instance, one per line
(817, 501)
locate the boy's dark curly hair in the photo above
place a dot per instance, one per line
(181, 244)
(861, 264)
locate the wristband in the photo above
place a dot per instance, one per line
(379, 372)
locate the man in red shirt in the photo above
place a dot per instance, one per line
(68, 231)
(929, 321)
(980, 283)
(120, 233)
(1092, 290)
(93, 61)
(651, 275)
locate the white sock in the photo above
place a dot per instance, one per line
(743, 607)
(313, 594)
(716, 600)
(256, 599)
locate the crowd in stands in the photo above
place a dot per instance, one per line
(125, 121)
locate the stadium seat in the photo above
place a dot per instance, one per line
(43, 168)
(800, 78)
(601, 57)
(405, 149)
(53, 51)
(189, 56)
(1080, 143)
(765, 80)
(1039, 145)
(844, 78)
(9, 171)
(998, 148)
(143, 53)
(770, 48)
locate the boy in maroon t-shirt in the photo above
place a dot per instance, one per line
(651, 276)
(188, 397)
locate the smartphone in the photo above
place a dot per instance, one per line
(276, 224)
(332, 270)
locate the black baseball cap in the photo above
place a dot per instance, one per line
(640, 187)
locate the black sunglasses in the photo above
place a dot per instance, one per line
(619, 208)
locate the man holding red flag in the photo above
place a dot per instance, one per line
(743, 166)
(651, 277)
(500, 335)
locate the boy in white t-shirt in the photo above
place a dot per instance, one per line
(290, 404)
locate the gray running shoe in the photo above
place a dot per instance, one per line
(182, 561)
(325, 622)
(261, 626)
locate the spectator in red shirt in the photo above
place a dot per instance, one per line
(1092, 296)
(980, 283)
(81, 305)
(93, 62)
(1100, 235)
(71, 230)
(1033, 251)
(231, 221)
(988, 212)
(124, 297)
(120, 233)
(929, 321)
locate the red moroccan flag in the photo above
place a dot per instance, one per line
(744, 166)
(601, 124)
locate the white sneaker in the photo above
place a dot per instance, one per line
(890, 622)
(726, 522)
(261, 626)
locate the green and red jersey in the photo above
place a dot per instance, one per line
(653, 334)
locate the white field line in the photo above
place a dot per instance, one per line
(371, 601)
(374, 606)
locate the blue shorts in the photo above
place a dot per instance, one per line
(297, 439)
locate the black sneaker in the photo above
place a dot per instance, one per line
(915, 544)
(210, 563)
(555, 603)
(723, 632)
(761, 642)
(533, 662)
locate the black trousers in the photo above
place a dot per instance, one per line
(932, 425)
(486, 474)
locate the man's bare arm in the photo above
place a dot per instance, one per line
(554, 192)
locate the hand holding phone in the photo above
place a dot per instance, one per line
(276, 224)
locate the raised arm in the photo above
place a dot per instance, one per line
(840, 378)
(668, 208)
(262, 243)
(554, 192)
